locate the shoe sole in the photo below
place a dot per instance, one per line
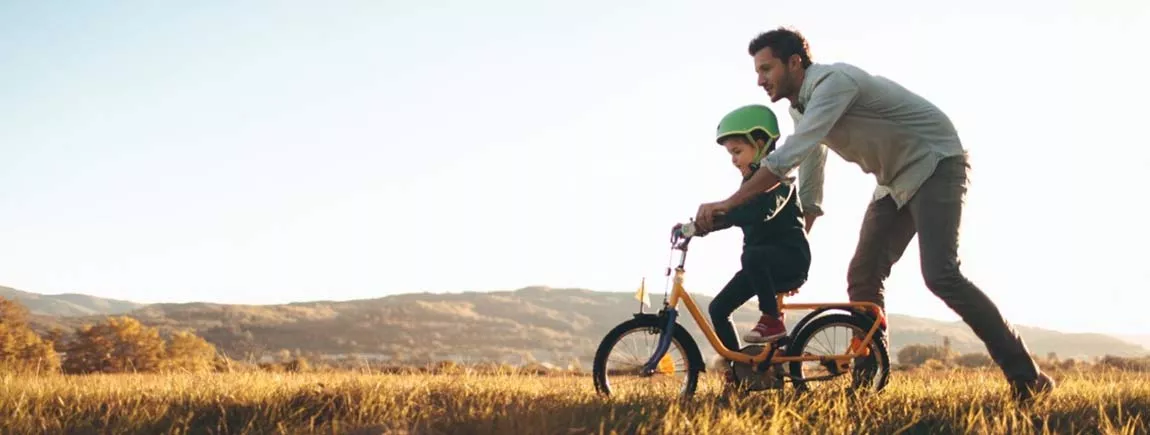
(761, 340)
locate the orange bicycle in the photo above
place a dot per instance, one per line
(807, 354)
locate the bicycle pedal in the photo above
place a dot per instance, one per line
(833, 367)
(765, 365)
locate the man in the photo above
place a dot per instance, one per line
(912, 149)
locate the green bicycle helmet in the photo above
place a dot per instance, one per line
(747, 119)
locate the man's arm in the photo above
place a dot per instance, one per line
(829, 100)
(811, 177)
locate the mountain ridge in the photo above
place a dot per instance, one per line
(529, 324)
(68, 304)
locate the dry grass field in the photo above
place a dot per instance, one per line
(364, 403)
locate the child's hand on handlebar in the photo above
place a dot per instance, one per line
(707, 212)
(690, 229)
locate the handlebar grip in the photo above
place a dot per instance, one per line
(687, 230)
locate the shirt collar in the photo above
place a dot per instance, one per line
(804, 93)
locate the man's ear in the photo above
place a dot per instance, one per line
(795, 61)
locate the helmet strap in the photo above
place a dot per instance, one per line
(770, 143)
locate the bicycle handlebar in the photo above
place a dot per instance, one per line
(686, 230)
(689, 229)
(681, 235)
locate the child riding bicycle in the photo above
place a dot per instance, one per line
(775, 247)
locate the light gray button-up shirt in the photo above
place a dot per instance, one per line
(871, 121)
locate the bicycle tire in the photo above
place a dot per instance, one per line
(679, 336)
(804, 335)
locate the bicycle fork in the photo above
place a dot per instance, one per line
(665, 334)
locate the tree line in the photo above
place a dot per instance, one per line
(942, 357)
(116, 345)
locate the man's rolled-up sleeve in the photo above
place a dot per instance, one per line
(811, 181)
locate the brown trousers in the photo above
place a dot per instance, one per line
(935, 213)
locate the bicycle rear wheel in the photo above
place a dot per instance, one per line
(832, 335)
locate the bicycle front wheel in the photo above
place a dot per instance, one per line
(626, 348)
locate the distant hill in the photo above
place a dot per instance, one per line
(549, 325)
(1139, 339)
(68, 304)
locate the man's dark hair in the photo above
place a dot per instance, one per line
(784, 43)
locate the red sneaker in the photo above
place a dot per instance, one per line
(769, 329)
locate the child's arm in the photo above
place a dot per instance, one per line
(763, 207)
(720, 223)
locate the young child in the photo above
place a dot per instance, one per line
(775, 248)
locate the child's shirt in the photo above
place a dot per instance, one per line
(774, 217)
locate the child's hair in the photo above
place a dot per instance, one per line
(757, 135)
(754, 137)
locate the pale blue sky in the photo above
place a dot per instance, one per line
(269, 152)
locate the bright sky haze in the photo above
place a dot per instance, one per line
(269, 152)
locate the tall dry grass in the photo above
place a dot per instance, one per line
(918, 402)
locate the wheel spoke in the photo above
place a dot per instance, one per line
(821, 337)
(620, 373)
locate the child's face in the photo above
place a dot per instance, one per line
(742, 153)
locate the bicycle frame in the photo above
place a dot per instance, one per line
(680, 294)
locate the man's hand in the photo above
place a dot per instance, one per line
(810, 218)
(705, 218)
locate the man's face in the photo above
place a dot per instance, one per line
(775, 75)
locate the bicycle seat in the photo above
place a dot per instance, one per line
(791, 287)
